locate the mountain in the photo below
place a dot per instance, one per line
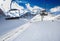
(33, 9)
(5, 5)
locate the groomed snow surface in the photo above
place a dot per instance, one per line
(35, 31)
(41, 31)
(8, 25)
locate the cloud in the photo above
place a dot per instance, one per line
(37, 7)
(20, 1)
(55, 9)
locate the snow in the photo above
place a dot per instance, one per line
(49, 17)
(12, 27)
(35, 31)
(5, 5)
(57, 17)
(33, 9)
(29, 29)
(8, 25)
(41, 31)
(14, 32)
(16, 6)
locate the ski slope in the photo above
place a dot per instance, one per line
(35, 31)
(41, 31)
(49, 17)
(8, 36)
(28, 29)
(8, 25)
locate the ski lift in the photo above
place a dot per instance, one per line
(43, 13)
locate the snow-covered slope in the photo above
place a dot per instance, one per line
(57, 17)
(21, 34)
(16, 6)
(8, 25)
(49, 17)
(41, 31)
(5, 5)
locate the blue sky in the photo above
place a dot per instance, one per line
(43, 3)
(52, 6)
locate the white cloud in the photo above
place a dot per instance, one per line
(19, 1)
(37, 7)
(55, 9)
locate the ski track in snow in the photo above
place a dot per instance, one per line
(41, 31)
(37, 30)
(8, 25)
